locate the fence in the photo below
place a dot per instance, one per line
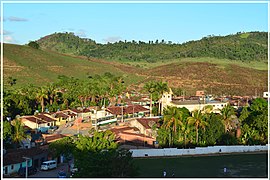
(196, 151)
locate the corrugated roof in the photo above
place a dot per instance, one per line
(145, 121)
(15, 157)
(117, 110)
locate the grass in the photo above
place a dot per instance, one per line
(238, 165)
(222, 76)
(258, 65)
(29, 65)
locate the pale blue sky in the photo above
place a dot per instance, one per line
(110, 22)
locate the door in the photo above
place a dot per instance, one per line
(6, 170)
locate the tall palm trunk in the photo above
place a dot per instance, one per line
(185, 140)
(197, 135)
(150, 105)
(42, 104)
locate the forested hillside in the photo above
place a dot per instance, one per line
(250, 46)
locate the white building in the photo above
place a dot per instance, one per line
(265, 94)
(191, 105)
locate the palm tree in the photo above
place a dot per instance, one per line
(18, 132)
(198, 120)
(185, 128)
(172, 121)
(150, 88)
(228, 115)
(42, 95)
(161, 88)
(52, 92)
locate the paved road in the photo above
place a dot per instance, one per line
(51, 173)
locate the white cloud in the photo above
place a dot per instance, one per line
(81, 33)
(8, 39)
(112, 39)
(6, 32)
(17, 19)
(4, 19)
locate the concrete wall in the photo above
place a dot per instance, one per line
(196, 151)
(14, 168)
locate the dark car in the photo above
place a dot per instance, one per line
(62, 174)
(30, 171)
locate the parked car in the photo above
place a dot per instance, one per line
(62, 174)
(48, 165)
(30, 171)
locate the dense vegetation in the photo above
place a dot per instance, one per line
(24, 65)
(181, 128)
(241, 46)
(65, 93)
(96, 155)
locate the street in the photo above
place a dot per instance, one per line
(51, 173)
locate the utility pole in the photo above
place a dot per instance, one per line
(133, 110)
(151, 105)
(26, 166)
(255, 92)
(77, 126)
(122, 113)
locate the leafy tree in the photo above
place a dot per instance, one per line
(64, 146)
(172, 122)
(7, 130)
(42, 95)
(33, 44)
(161, 88)
(18, 132)
(11, 81)
(198, 120)
(228, 117)
(96, 155)
(150, 88)
(214, 131)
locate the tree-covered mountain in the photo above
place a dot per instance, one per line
(250, 46)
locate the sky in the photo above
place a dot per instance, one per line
(110, 22)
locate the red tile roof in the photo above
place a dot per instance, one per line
(45, 118)
(16, 156)
(33, 119)
(54, 137)
(117, 110)
(145, 121)
(60, 114)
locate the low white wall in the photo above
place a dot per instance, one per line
(198, 150)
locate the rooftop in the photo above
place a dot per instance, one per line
(117, 110)
(145, 121)
(16, 156)
(195, 102)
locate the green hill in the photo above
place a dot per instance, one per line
(215, 75)
(29, 65)
(251, 46)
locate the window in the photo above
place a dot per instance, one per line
(221, 105)
(12, 166)
(48, 124)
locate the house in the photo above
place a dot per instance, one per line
(145, 125)
(265, 94)
(128, 111)
(191, 105)
(14, 159)
(48, 138)
(200, 93)
(83, 113)
(132, 136)
(39, 121)
(102, 117)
